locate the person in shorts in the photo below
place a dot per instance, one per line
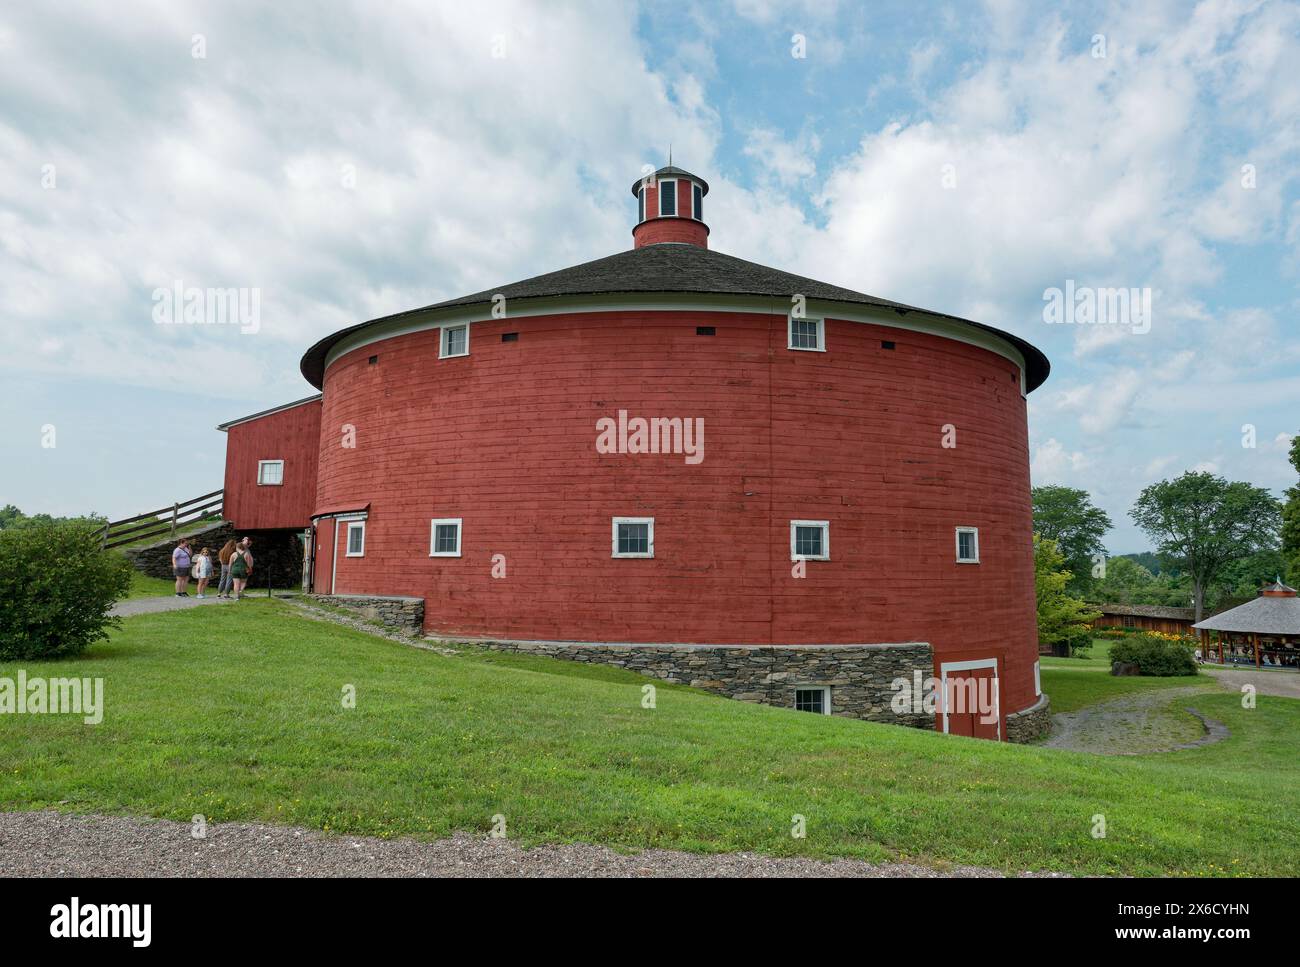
(181, 567)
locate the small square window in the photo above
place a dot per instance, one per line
(813, 699)
(374, 360)
(634, 537)
(968, 545)
(807, 334)
(510, 337)
(705, 331)
(356, 538)
(270, 473)
(455, 341)
(810, 540)
(667, 198)
(887, 344)
(444, 537)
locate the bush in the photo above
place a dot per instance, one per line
(1079, 643)
(56, 587)
(1157, 655)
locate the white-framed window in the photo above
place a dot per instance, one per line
(633, 537)
(444, 537)
(807, 334)
(668, 197)
(968, 545)
(640, 204)
(697, 202)
(356, 546)
(454, 342)
(270, 473)
(810, 540)
(813, 698)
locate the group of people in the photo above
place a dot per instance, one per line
(235, 558)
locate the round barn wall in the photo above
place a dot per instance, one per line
(505, 439)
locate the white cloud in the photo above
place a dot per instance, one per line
(1052, 463)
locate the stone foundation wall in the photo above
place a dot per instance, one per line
(1032, 723)
(401, 614)
(155, 560)
(859, 676)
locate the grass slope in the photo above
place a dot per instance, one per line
(235, 713)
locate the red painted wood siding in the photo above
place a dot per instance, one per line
(291, 435)
(505, 439)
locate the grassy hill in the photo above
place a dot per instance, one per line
(235, 712)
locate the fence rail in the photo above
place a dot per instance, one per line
(162, 522)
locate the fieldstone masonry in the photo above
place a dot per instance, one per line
(155, 560)
(401, 614)
(859, 676)
(1031, 723)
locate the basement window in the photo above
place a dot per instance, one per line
(270, 473)
(455, 342)
(668, 198)
(444, 537)
(356, 538)
(968, 545)
(633, 537)
(810, 540)
(510, 337)
(705, 331)
(813, 698)
(807, 334)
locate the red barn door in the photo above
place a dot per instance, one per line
(971, 704)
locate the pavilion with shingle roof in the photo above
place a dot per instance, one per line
(1266, 629)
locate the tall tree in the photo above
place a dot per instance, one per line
(1291, 517)
(1202, 522)
(1061, 616)
(1067, 517)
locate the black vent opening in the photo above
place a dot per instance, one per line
(886, 344)
(373, 360)
(510, 337)
(705, 331)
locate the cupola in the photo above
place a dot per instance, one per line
(670, 209)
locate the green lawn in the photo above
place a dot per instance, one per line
(235, 713)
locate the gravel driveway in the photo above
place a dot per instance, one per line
(1136, 724)
(62, 844)
(1283, 684)
(124, 609)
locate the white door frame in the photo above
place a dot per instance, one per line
(957, 666)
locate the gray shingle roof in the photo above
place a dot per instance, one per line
(1148, 611)
(671, 171)
(1264, 615)
(675, 269)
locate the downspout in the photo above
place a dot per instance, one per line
(334, 557)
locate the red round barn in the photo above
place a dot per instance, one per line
(672, 446)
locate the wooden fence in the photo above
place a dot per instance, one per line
(163, 522)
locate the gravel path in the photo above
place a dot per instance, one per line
(1280, 683)
(63, 844)
(132, 606)
(1136, 724)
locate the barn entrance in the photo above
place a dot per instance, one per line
(971, 704)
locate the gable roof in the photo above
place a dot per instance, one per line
(1147, 611)
(669, 268)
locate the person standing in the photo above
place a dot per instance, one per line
(181, 567)
(241, 567)
(223, 558)
(204, 563)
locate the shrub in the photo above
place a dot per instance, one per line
(1079, 643)
(1155, 654)
(56, 587)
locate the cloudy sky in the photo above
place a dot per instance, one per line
(351, 159)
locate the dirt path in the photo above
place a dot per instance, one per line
(1280, 683)
(61, 844)
(1137, 724)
